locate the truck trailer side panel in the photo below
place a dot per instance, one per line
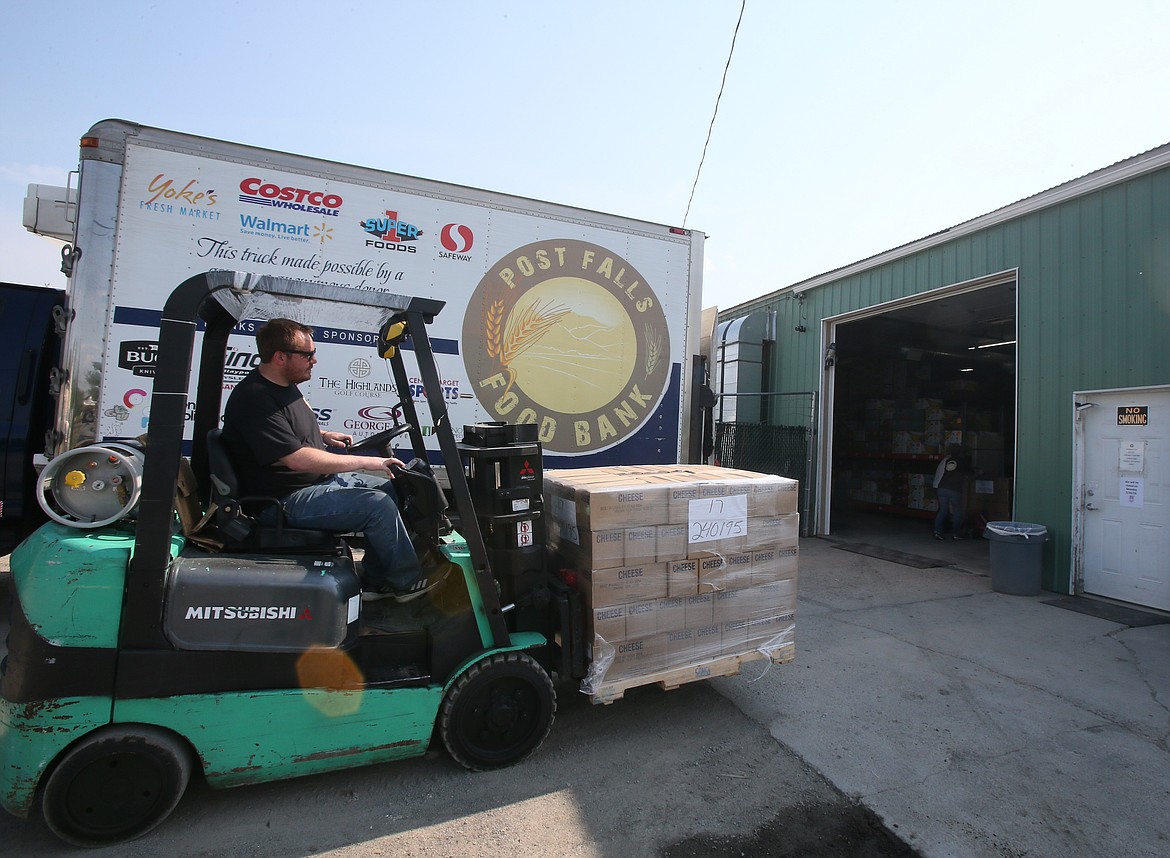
(580, 322)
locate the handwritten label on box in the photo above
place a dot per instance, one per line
(709, 519)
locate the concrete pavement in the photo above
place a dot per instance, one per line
(974, 723)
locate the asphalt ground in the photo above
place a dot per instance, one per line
(970, 722)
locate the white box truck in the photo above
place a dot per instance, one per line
(582, 323)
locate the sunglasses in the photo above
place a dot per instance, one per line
(309, 355)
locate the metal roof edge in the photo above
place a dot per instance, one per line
(1122, 171)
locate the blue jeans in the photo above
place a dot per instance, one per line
(359, 503)
(950, 502)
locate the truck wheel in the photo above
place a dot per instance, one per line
(498, 712)
(115, 784)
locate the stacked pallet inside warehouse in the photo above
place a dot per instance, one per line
(891, 450)
(687, 571)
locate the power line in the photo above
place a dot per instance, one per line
(711, 127)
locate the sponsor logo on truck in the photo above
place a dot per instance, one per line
(389, 232)
(457, 239)
(138, 356)
(184, 197)
(569, 336)
(259, 192)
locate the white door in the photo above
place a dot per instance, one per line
(1125, 441)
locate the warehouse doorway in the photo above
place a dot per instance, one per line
(903, 381)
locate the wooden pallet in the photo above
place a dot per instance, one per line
(668, 680)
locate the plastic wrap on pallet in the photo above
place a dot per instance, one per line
(663, 637)
(686, 570)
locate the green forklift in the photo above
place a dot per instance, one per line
(158, 630)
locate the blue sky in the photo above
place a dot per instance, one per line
(846, 127)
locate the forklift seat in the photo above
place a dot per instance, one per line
(241, 531)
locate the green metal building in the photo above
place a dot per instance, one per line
(1037, 336)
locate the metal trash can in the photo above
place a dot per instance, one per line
(1017, 552)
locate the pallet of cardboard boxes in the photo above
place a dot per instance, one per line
(687, 571)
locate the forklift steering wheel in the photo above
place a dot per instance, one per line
(380, 441)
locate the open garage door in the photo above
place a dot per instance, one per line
(906, 380)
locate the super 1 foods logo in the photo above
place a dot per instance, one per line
(569, 336)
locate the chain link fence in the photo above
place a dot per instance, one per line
(771, 433)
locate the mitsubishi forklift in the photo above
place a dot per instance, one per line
(159, 630)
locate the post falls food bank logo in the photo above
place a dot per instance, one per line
(569, 336)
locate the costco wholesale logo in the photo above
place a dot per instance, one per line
(391, 233)
(264, 193)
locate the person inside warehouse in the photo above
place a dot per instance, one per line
(950, 483)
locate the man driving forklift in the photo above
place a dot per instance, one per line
(279, 451)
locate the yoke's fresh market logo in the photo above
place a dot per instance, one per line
(391, 233)
(185, 197)
(262, 193)
(567, 335)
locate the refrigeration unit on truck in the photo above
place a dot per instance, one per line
(580, 323)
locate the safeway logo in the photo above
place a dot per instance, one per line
(456, 238)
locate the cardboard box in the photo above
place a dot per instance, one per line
(699, 610)
(672, 613)
(680, 647)
(769, 531)
(770, 494)
(585, 549)
(725, 572)
(680, 497)
(732, 606)
(609, 623)
(670, 542)
(682, 577)
(622, 585)
(771, 632)
(638, 657)
(770, 600)
(737, 570)
(775, 562)
(708, 641)
(609, 498)
(735, 637)
(641, 545)
(641, 619)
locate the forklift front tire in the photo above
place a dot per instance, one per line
(115, 784)
(498, 712)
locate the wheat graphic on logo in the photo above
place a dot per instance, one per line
(653, 349)
(506, 341)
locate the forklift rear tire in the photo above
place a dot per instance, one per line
(116, 784)
(498, 712)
